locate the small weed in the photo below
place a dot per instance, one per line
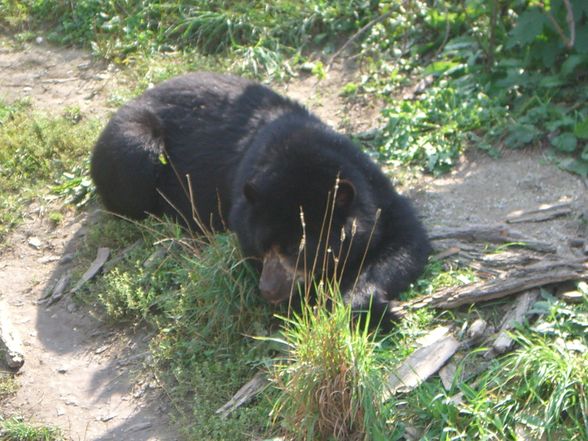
(7, 385)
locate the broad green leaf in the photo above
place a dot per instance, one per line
(440, 67)
(569, 66)
(529, 26)
(551, 81)
(581, 129)
(566, 142)
(584, 154)
(573, 165)
(521, 134)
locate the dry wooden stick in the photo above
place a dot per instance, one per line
(95, 267)
(251, 389)
(523, 304)
(514, 282)
(498, 233)
(540, 214)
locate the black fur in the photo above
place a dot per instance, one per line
(255, 160)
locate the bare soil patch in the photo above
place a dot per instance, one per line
(54, 78)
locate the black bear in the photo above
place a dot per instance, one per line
(218, 151)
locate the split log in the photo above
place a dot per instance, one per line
(514, 282)
(541, 214)
(95, 267)
(499, 233)
(421, 364)
(251, 389)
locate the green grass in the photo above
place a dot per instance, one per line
(200, 297)
(520, 88)
(14, 429)
(40, 155)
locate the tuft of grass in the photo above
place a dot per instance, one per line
(15, 429)
(330, 382)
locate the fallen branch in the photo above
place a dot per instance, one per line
(499, 233)
(59, 289)
(120, 256)
(512, 283)
(543, 213)
(252, 388)
(95, 267)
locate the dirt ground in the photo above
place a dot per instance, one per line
(81, 375)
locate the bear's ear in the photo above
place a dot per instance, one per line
(345, 195)
(250, 192)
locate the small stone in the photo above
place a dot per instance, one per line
(477, 329)
(35, 242)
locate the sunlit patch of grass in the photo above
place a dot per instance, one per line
(39, 154)
(15, 429)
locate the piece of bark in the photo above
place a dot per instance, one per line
(498, 233)
(155, 258)
(249, 391)
(59, 289)
(10, 344)
(420, 365)
(508, 259)
(512, 283)
(433, 336)
(447, 253)
(515, 316)
(543, 213)
(95, 267)
(447, 375)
